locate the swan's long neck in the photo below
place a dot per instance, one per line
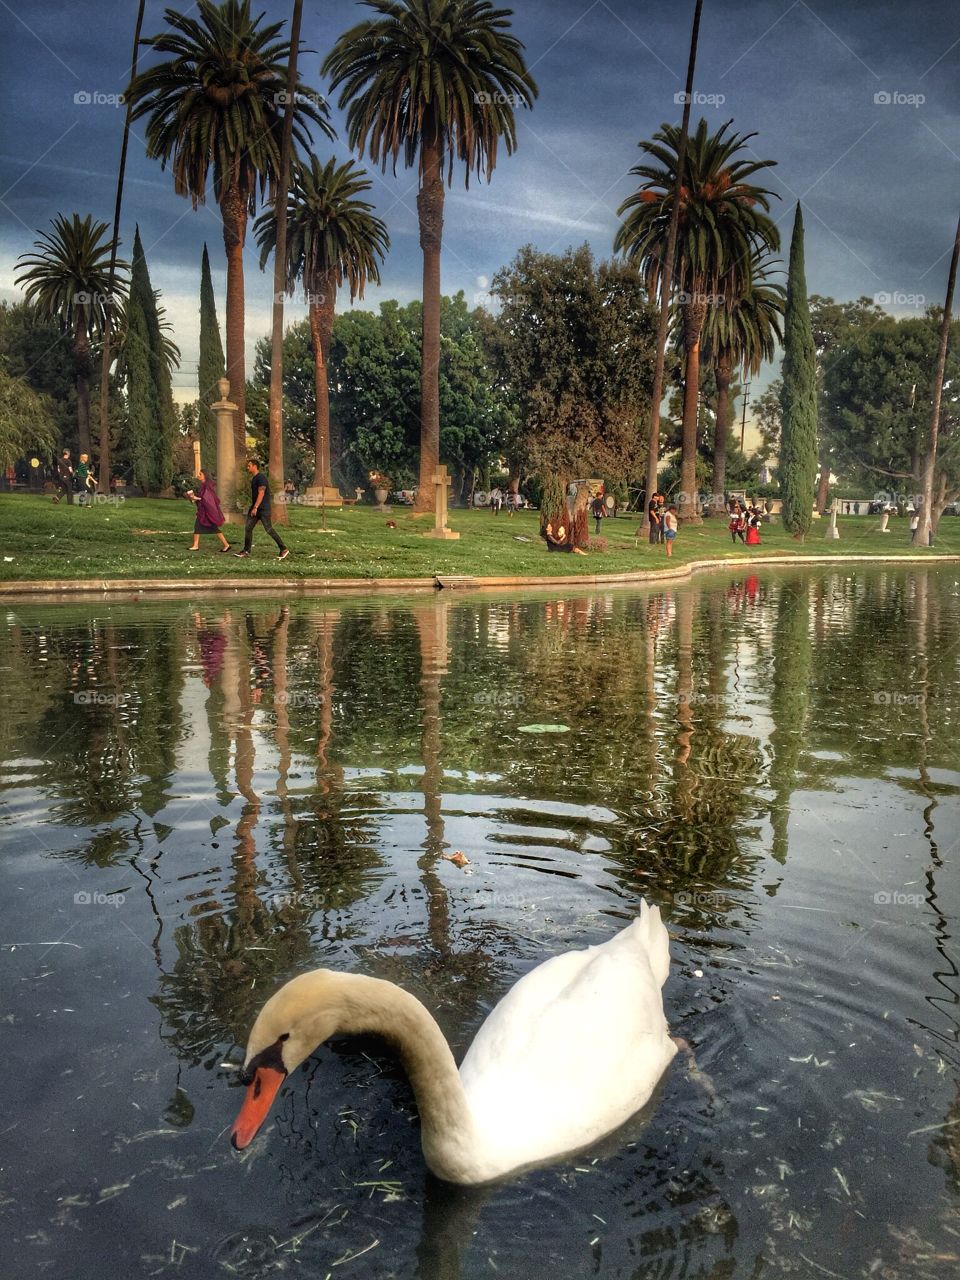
(451, 1142)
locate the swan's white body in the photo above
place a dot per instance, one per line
(571, 1051)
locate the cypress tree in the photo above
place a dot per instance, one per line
(211, 367)
(142, 411)
(798, 398)
(163, 423)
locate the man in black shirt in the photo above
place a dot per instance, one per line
(259, 510)
(655, 514)
(64, 469)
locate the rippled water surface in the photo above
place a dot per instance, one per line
(201, 799)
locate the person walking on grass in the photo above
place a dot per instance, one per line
(670, 525)
(210, 517)
(64, 469)
(259, 510)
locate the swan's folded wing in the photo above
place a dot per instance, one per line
(573, 1049)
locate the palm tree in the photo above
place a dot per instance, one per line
(68, 280)
(723, 222)
(435, 80)
(742, 334)
(332, 236)
(218, 101)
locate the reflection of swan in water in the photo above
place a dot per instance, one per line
(574, 1049)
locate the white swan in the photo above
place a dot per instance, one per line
(570, 1052)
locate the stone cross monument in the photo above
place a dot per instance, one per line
(441, 481)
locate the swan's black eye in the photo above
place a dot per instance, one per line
(285, 1036)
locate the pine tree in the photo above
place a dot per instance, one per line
(211, 367)
(798, 398)
(156, 453)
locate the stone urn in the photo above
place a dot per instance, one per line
(381, 496)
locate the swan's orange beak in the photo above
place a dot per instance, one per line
(260, 1094)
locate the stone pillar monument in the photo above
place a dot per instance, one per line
(441, 481)
(833, 531)
(226, 458)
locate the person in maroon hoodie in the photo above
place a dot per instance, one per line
(210, 516)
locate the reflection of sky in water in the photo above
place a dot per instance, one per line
(772, 759)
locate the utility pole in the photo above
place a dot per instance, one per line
(743, 420)
(108, 308)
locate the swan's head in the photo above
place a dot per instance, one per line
(302, 1014)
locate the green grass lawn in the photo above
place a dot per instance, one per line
(148, 538)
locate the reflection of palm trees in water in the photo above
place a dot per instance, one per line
(789, 699)
(432, 628)
(926, 606)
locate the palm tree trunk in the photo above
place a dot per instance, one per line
(81, 364)
(925, 527)
(233, 210)
(721, 430)
(321, 331)
(692, 329)
(281, 515)
(430, 211)
(108, 306)
(666, 276)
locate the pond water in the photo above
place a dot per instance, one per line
(201, 799)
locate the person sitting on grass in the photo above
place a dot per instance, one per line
(259, 510)
(210, 515)
(670, 526)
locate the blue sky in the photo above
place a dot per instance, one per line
(879, 179)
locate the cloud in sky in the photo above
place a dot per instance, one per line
(855, 99)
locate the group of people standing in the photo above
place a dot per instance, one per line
(744, 523)
(664, 521)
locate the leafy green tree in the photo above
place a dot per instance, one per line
(766, 414)
(67, 280)
(26, 421)
(217, 102)
(210, 368)
(797, 472)
(34, 349)
(333, 237)
(577, 344)
(834, 324)
(435, 80)
(723, 224)
(374, 380)
(879, 388)
(744, 333)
